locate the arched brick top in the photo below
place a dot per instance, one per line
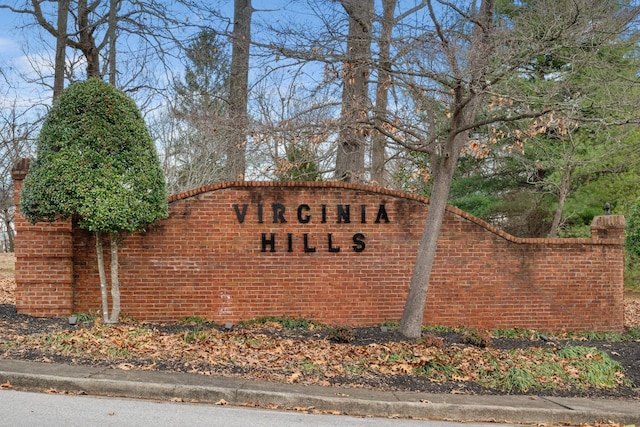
(384, 192)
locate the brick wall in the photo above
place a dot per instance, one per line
(338, 253)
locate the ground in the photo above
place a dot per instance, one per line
(284, 350)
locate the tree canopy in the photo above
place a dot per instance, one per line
(96, 160)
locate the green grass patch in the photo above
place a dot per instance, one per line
(390, 324)
(593, 368)
(85, 317)
(632, 334)
(118, 352)
(437, 370)
(197, 336)
(517, 378)
(285, 322)
(440, 329)
(193, 320)
(523, 370)
(515, 333)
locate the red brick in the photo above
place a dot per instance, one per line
(202, 261)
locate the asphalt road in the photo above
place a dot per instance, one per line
(51, 410)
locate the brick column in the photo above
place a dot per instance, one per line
(608, 234)
(44, 260)
(608, 228)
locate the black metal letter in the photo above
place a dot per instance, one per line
(344, 214)
(359, 245)
(303, 219)
(240, 215)
(278, 213)
(382, 215)
(330, 240)
(271, 242)
(306, 243)
(260, 213)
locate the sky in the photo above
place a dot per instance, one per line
(14, 60)
(12, 57)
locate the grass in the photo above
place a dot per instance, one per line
(85, 317)
(482, 338)
(592, 367)
(517, 378)
(197, 336)
(539, 367)
(438, 371)
(193, 320)
(285, 322)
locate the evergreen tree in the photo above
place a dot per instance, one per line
(200, 107)
(96, 161)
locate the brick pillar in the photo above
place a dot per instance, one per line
(44, 260)
(608, 233)
(609, 228)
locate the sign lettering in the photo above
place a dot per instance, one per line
(305, 214)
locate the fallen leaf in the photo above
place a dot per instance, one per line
(294, 377)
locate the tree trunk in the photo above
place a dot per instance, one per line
(115, 283)
(352, 136)
(10, 234)
(87, 41)
(565, 186)
(113, 25)
(238, 91)
(465, 103)
(61, 43)
(378, 142)
(411, 323)
(103, 278)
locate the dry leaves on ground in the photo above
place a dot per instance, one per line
(251, 351)
(7, 291)
(632, 313)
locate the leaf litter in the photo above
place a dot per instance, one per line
(377, 358)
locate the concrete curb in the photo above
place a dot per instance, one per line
(154, 385)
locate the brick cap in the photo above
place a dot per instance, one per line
(20, 168)
(609, 221)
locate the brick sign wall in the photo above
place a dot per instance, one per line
(337, 253)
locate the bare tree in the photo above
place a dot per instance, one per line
(298, 128)
(379, 140)
(355, 98)
(61, 45)
(18, 128)
(463, 63)
(239, 90)
(131, 42)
